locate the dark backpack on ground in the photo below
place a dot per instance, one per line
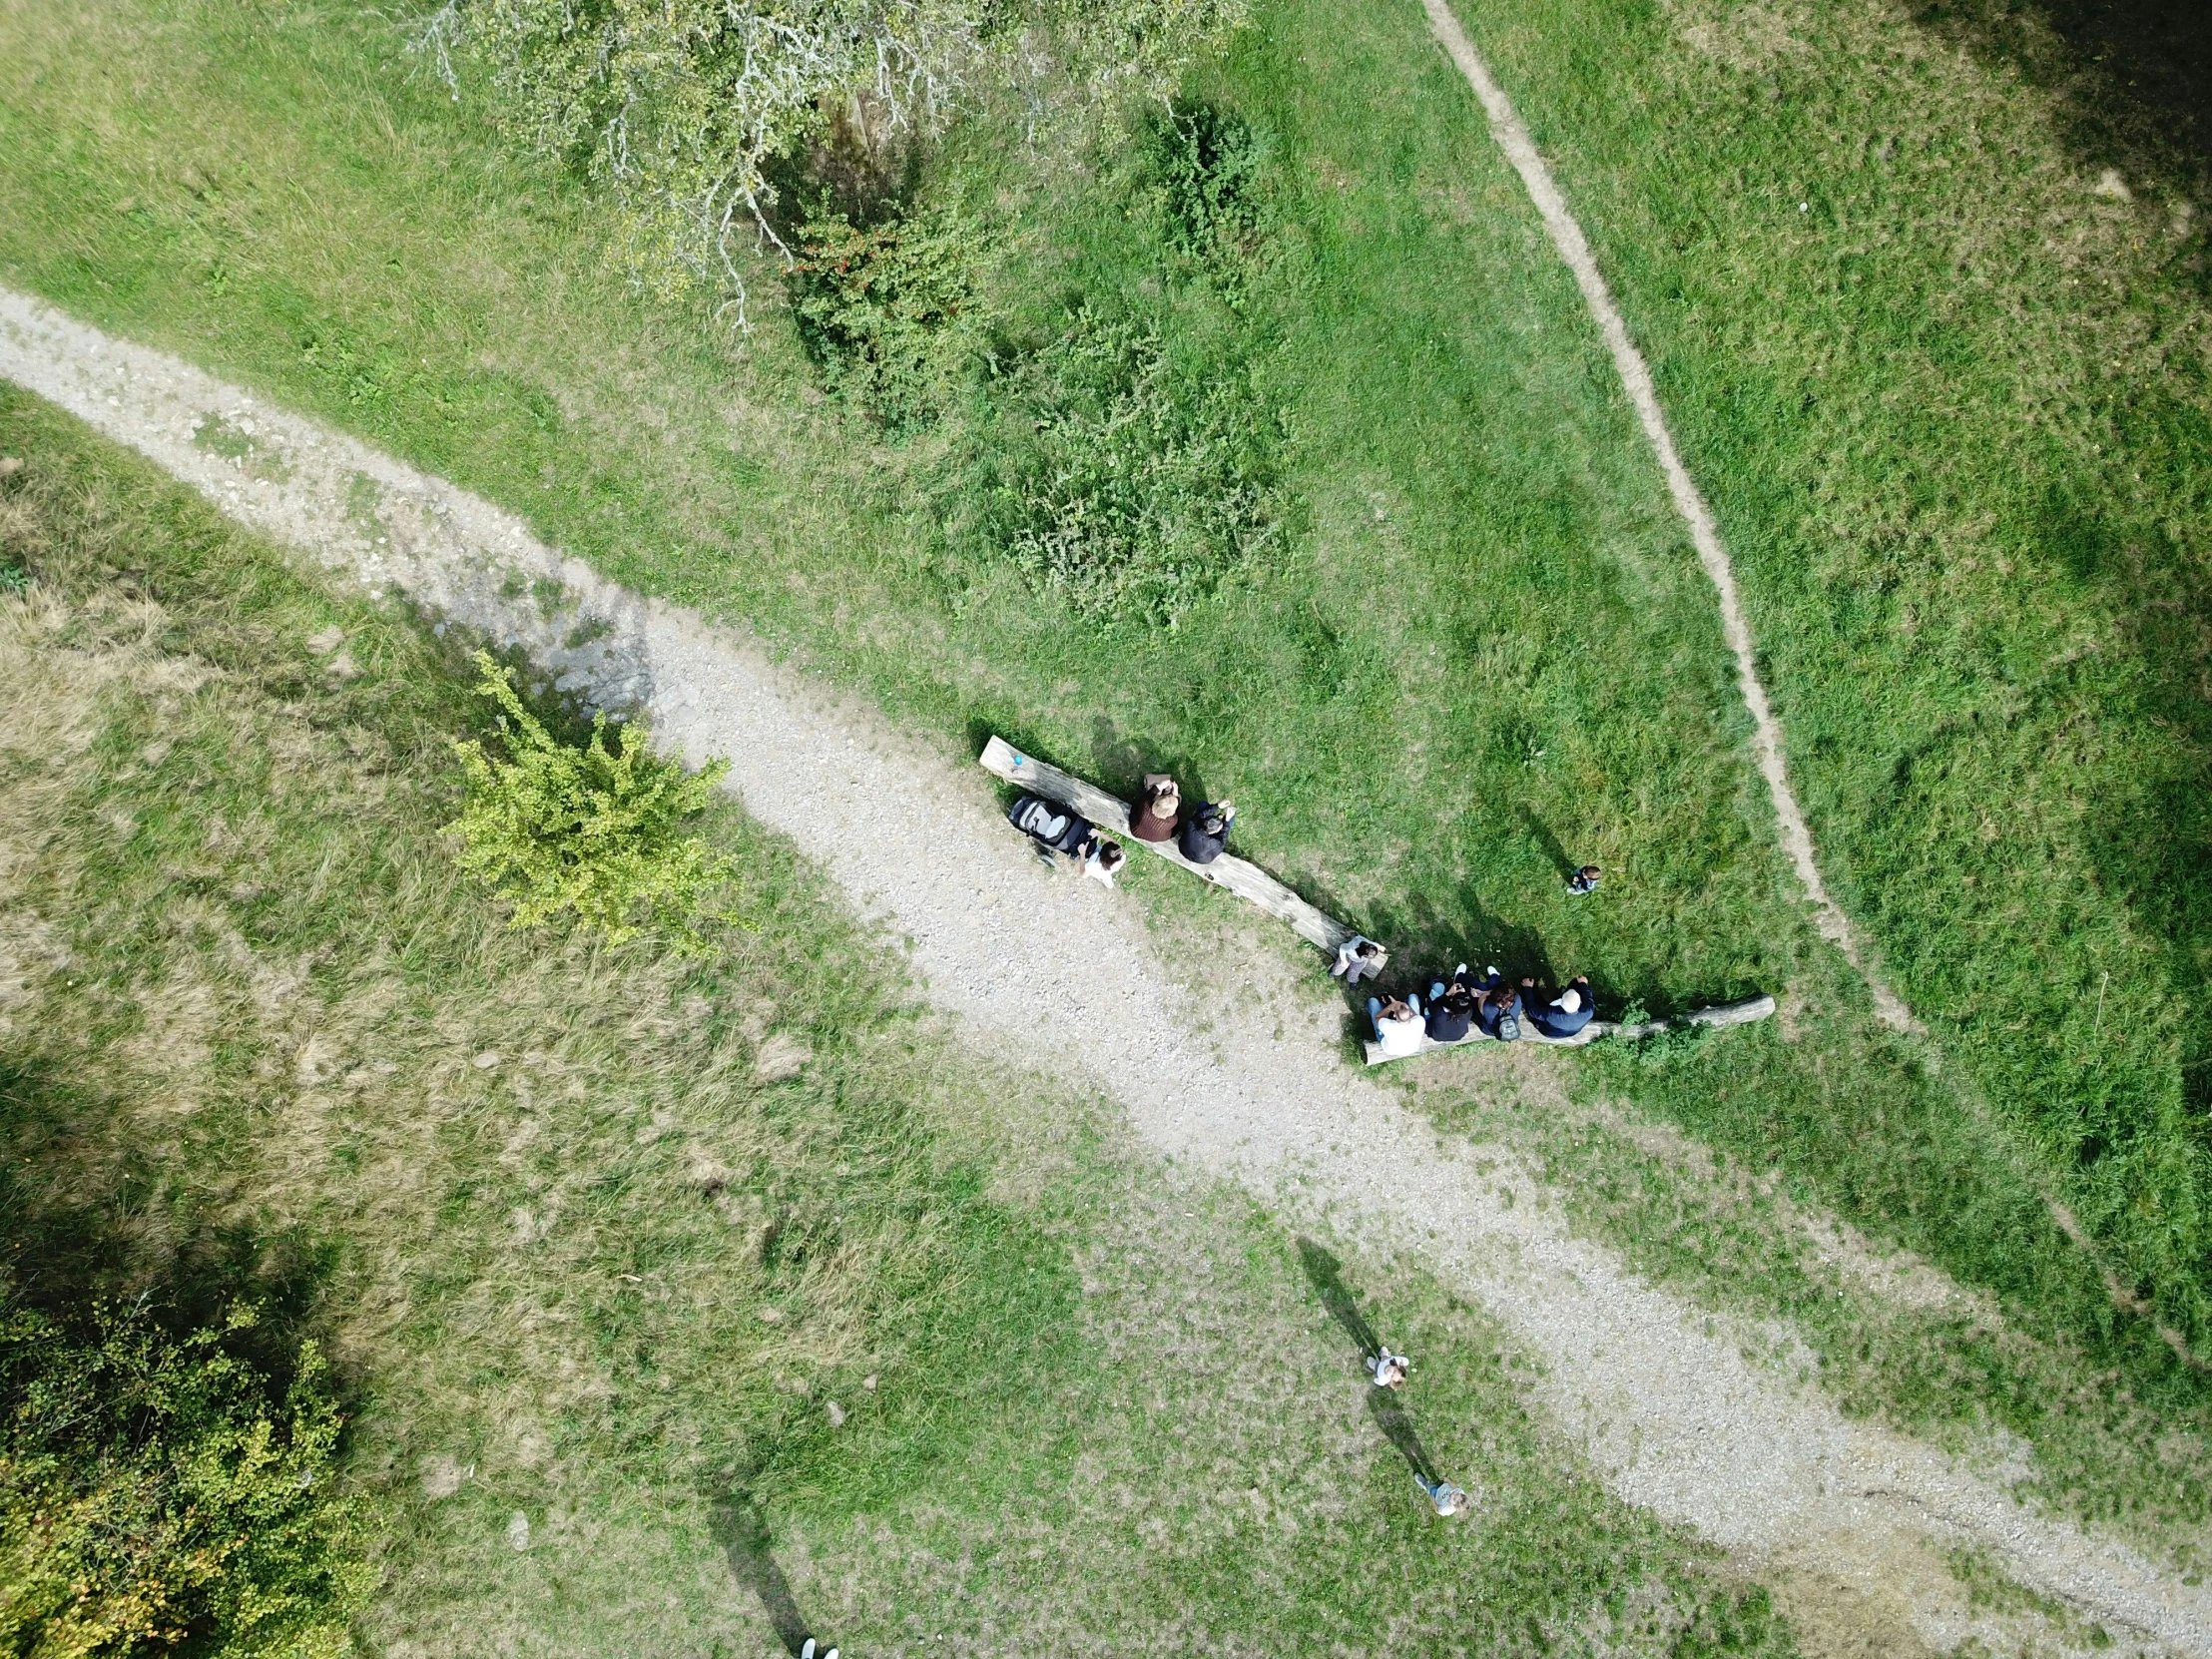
(1051, 826)
(1509, 1019)
(1449, 1017)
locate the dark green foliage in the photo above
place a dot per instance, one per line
(888, 312)
(1745, 1622)
(1127, 480)
(162, 1490)
(1204, 163)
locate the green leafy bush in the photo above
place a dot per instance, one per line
(588, 832)
(1203, 165)
(888, 312)
(161, 1493)
(1126, 479)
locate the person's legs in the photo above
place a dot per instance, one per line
(1413, 1002)
(1374, 1017)
(1435, 990)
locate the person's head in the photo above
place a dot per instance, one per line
(1215, 822)
(1394, 1007)
(1570, 1001)
(1166, 799)
(1455, 1503)
(1369, 951)
(1110, 857)
(1392, 1370)
(1589, 873)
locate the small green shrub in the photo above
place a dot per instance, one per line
(161, 1493)
(889, 312)
(1203, 164)
(588, 832)
(1127, 480)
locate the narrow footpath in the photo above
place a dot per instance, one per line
(1062, 973)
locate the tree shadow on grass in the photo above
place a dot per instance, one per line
(2133, 78)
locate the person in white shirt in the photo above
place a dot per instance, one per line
(1103, 860)
(1397, 1024)
(1450, 1500)
(1358, 958)
(1388, 1370)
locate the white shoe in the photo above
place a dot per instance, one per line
(808, 1652)
(1459, 972)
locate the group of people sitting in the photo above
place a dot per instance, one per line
(1158, 816)
(1465, 1004)
(1451, 1011)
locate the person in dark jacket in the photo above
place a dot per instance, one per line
(1206, 830)
(1494, 1002)
(1158, 807)
(1565, 1014)
(1451, 1008)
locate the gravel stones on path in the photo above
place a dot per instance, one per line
(1059, 974)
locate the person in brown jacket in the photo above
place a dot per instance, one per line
(1161, 803)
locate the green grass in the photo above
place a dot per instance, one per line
(597, 1236)
(1952, 406)
(1478, 651)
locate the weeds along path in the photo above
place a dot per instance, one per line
(1246, 1083)
(1512, 137)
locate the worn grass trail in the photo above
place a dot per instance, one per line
(1665, 1400)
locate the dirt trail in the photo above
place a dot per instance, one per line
(1566, 235)
(1058, 971)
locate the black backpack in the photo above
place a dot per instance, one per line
(1509, 1019)
(1048, 823)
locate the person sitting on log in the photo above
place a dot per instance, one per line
(1451, 1007)
(1154, 816)
(1565, 1014)
(1397, 1024)
(1206, 832)
(1358, 958)
(1499, 1008)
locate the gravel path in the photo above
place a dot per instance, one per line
(1566, 235)
(1058, 971)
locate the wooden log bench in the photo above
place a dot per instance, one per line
(1111, 814)
(1733, 1013)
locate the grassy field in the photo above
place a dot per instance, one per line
(1926, 303)
(611, 1242)
(1470, 649)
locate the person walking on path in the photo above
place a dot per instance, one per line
(1388, 1370)
(1450, 1500)
(1358, 958)
(1157, 807)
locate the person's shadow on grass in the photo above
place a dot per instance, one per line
(742, 1533)
(1326, 1274)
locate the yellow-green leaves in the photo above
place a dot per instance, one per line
(590, 833)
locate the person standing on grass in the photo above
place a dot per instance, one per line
(1584, 880)
(1157, 808)
(1450, 1500)
(1206, 832)
(1358, 958)
(1388, 1370)
(1397, 1025)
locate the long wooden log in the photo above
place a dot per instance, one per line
(1732, 1013)
(1110, 813)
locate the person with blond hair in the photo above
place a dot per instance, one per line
(1159, 807)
